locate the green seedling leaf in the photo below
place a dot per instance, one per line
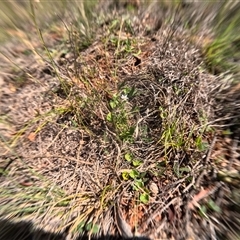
(184, 169)
(144, 198)
(200, 144)
(114, 24)
(132, 92)
(109, 117)
(126, 90)
(125, 176)
(176, 170)
(163, 113)
(80, 227)
(138, 184)
(134, 174)
(154, 173)
(113, 104)
(89, 226)
(127, 135)
(131, 130)
(63, 203)
(203, 211)
(143, 174)
(136, 163)
(227, 132)
(138, 53)
(212, 205)
(93, 228)
(128, 157)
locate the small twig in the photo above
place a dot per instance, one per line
(193, 178)
(207, 157)
(159, 212)
(123, 227)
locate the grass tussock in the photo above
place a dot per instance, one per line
(120, 118)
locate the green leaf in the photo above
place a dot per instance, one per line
(132, 92)
(113, 104)
(126, 91)
(212, 205)
(203, 211)
(92, 228)
(95, 229)
(131, 130)
(134, 174)
(89, 226)
(185, 169)
(80, 227)
(163, 113)
(136, 163)
(125, 176)
(138, 184)
(144, 198)
(109, 117)
(227, 132)
(114, 24)
(63, 203)
(202, 146)
(128, 157)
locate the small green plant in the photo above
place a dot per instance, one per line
(119, 37)
(180, 171)
(202, 146)
(87, 227)
(205, 209)
(134, 162)
(174, 137)
(120, 115)
(138, 183)
(138, 178)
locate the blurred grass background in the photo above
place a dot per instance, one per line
(220, 19)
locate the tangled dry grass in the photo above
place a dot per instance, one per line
(118, 130)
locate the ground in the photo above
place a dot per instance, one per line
(120, 125)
